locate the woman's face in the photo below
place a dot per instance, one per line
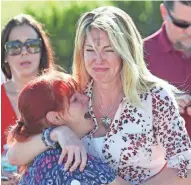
(25, 64)
(101, 62)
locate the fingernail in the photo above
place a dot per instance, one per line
(59, 162)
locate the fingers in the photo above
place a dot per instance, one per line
(62, 156)
(77, 160)
(182, 104)
(78, 155)
(84, 160)
(181, 109)
(73, 147)
(69, 160)
(184, 101)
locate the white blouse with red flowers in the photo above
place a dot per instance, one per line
(143, 139)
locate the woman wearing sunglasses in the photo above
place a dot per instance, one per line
(25, 52)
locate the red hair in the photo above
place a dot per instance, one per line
(49, 92)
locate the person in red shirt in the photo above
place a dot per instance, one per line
(25, 53)
(168, 52)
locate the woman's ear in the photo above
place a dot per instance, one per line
(54, 118)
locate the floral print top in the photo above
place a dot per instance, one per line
(142, 140)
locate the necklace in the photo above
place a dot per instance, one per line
(105, 120)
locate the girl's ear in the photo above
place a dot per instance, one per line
(53, 117)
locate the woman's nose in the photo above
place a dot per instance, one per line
(99, 58)
(24, 51)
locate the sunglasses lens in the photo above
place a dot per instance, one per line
(34, 46)
(181, 25)
(13, 47)
(177, 23)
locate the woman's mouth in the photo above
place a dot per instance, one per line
(100, 69)
(25, 63)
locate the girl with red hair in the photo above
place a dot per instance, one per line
(47, 100)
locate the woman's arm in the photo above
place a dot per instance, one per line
(169, 176)
(22, 153)
(172, 136)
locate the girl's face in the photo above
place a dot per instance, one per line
(24, 63)
(74, 116)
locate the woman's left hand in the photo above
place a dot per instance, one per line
(72, 147)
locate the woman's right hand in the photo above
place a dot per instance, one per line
(72, 147)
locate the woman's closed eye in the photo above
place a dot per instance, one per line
(109, 51)
(90, 50)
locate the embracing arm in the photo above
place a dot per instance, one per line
(22, 153)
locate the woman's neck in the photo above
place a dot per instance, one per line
(107, 92)
(19, 83)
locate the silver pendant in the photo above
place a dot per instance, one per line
(106, 122)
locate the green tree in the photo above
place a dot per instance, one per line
(59, 19)
(145, 14)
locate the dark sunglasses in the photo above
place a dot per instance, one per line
(15, 47)
(178, 23)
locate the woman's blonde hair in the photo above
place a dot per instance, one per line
(127, 43)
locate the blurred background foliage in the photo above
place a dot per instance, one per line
(60, 17)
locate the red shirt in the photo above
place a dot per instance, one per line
(169, 64)
(8, 116)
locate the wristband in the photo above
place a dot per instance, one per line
(46, 138)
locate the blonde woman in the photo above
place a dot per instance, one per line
(138, 130)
